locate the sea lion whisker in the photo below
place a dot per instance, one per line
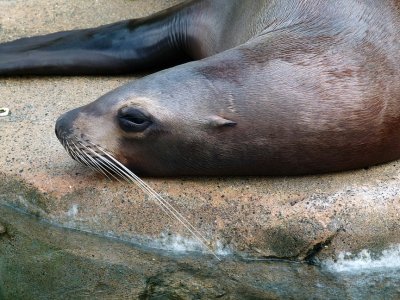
(134, 178)
(115, 168)
(163, 203)
(67, 147)
(142, 186)
(125, 175)
(84, 161)
(75, 155)
(79, 155)
(106, 170)
(100, 161)
(99, 167)
(131, 177)
(71, 150)
(89, 161)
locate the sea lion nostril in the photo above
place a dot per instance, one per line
(57, 132)
(64, 123)
(60, 128)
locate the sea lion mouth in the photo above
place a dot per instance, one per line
(82, 149)
(93, 156)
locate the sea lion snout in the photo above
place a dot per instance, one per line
(64, 123)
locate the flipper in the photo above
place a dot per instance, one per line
(124, 47)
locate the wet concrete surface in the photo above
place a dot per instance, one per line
(40, 261)
(288, 217)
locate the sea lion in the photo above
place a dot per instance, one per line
(258, 87)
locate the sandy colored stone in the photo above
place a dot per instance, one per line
(288, 217)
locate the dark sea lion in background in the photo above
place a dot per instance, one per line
(278, 87)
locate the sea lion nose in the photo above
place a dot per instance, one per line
(64, 123)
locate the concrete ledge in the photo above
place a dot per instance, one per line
(39, 261)
(294, 218)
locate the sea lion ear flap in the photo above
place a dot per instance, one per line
(217, 121)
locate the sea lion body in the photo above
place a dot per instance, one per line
(276, 88)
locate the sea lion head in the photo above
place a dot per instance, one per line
(161, 125)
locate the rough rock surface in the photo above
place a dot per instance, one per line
(38, 261)
(295, 217)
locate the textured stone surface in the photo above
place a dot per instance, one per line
(292, 218)
(38, 261)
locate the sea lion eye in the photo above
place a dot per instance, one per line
(133, 119)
